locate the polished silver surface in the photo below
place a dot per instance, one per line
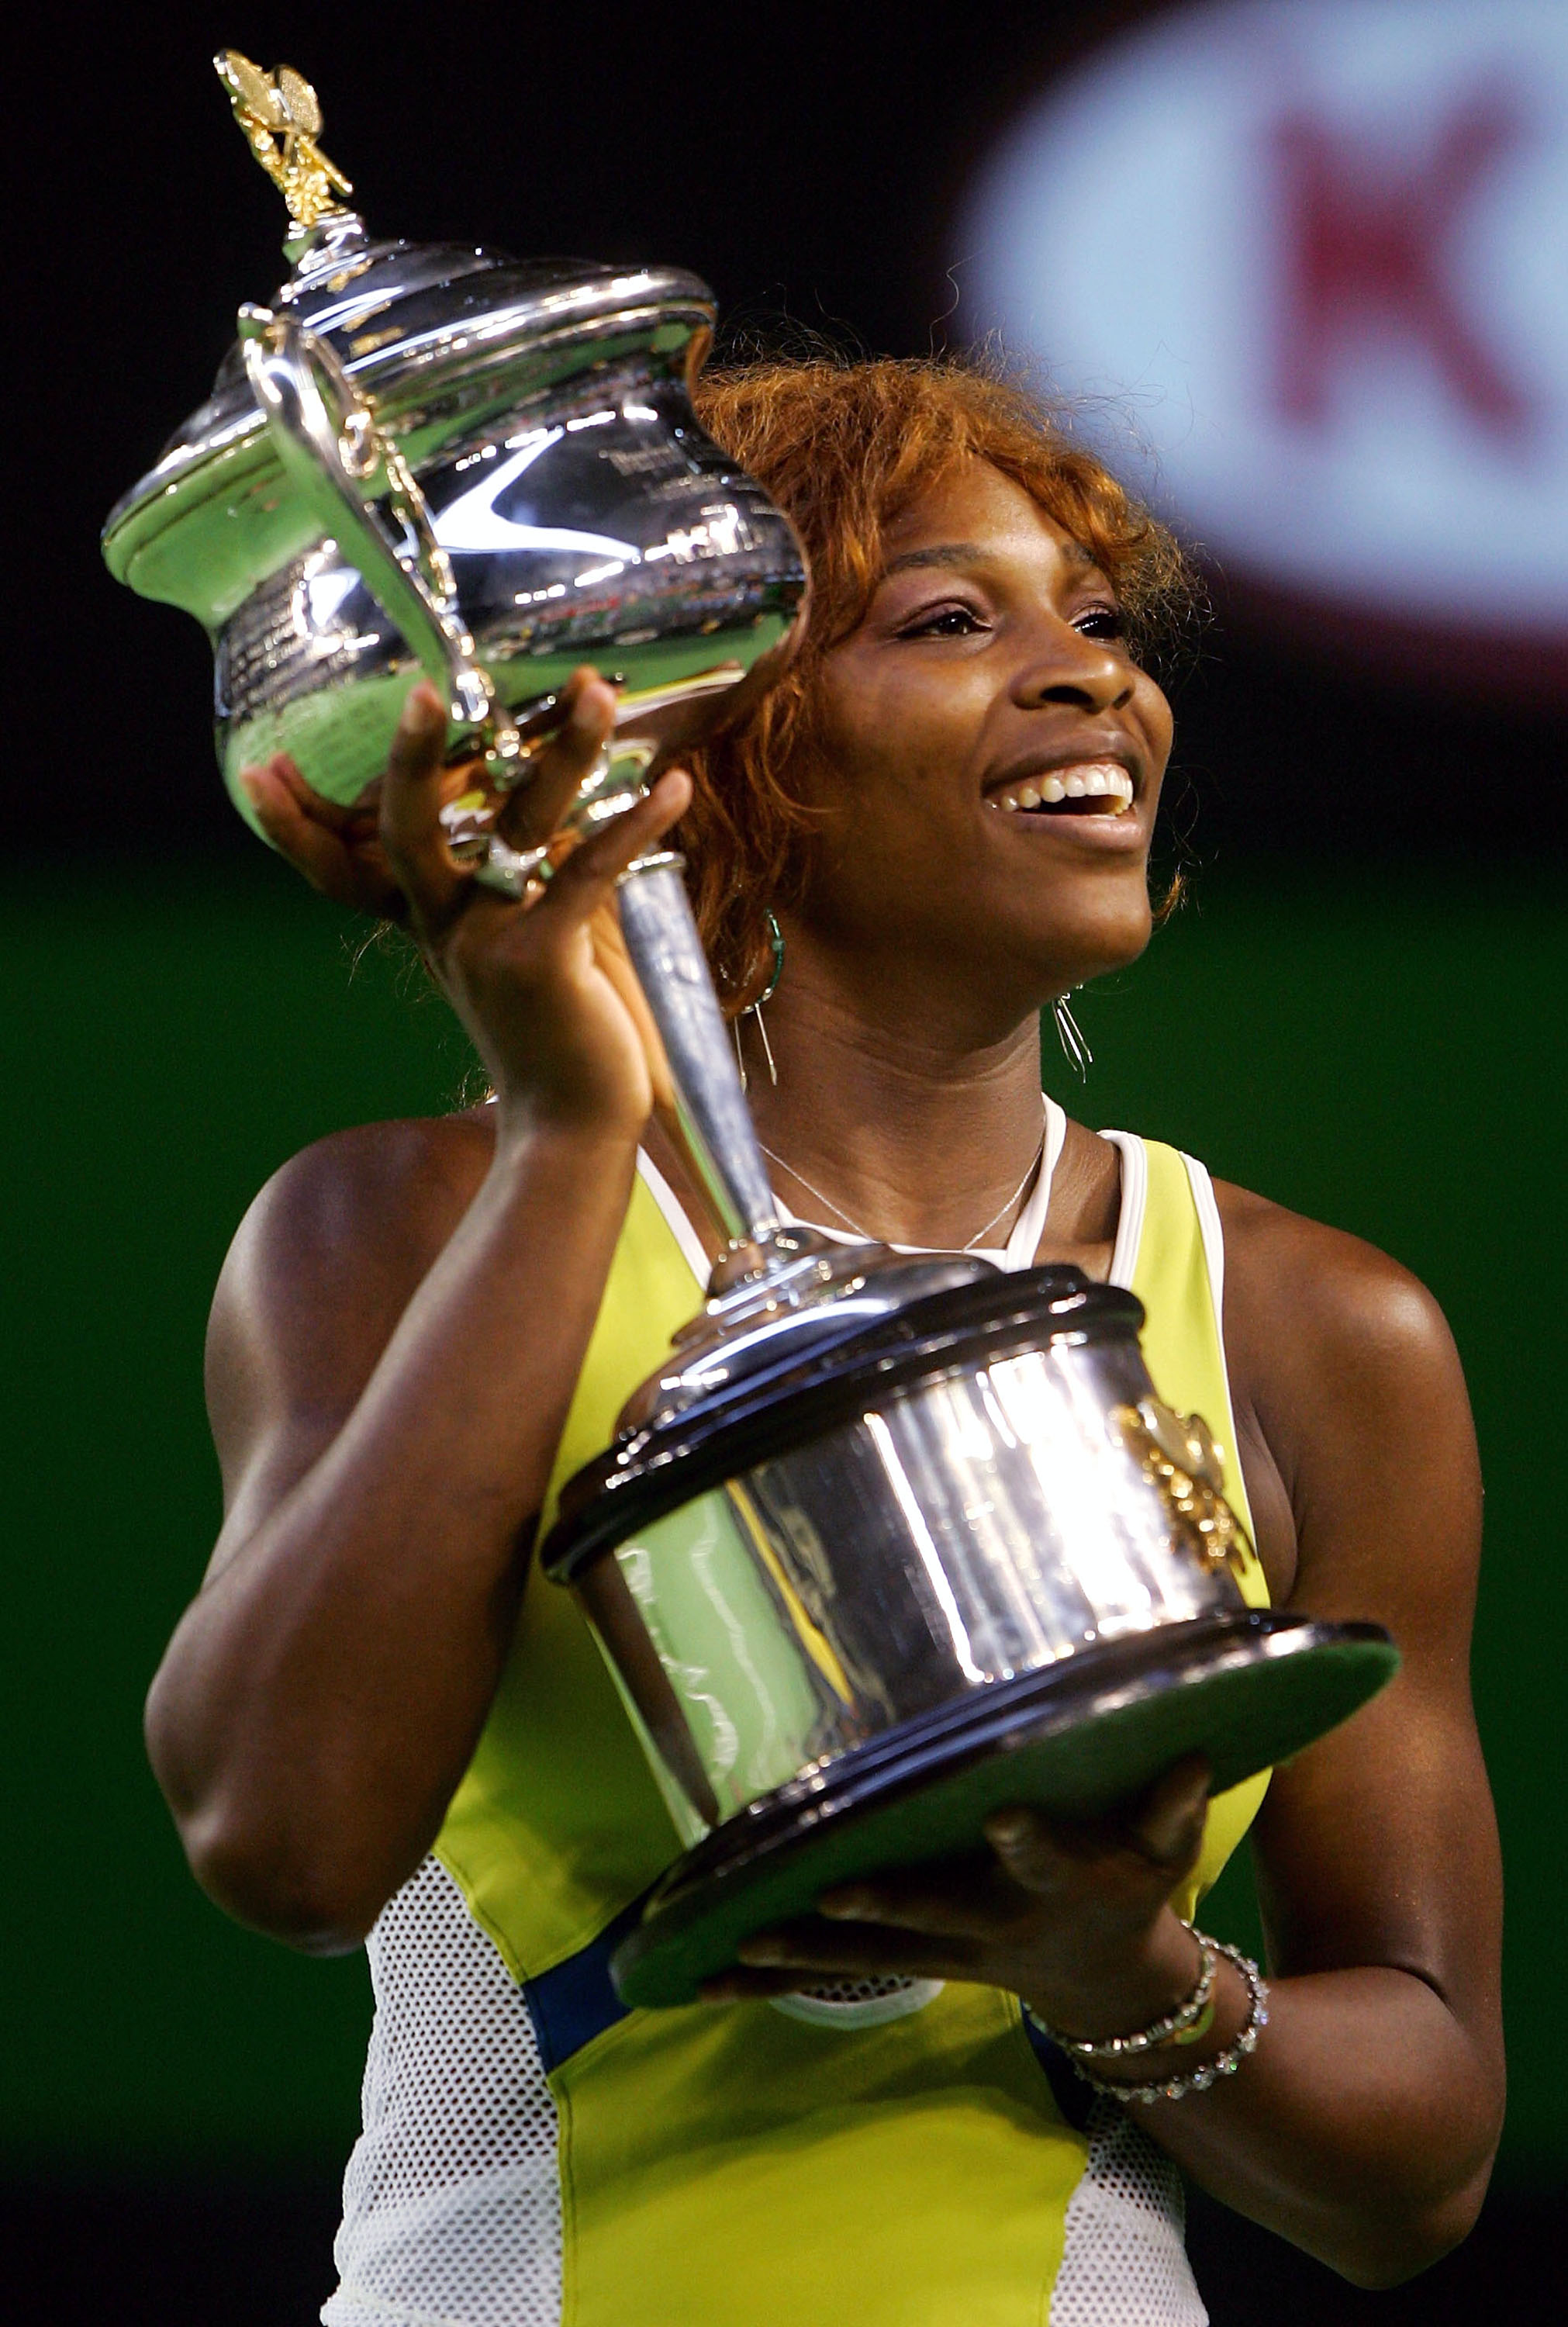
(666, 953)
(435, 458)
(563, 484)
(346, 470)
(508, 479)
(996, 1520)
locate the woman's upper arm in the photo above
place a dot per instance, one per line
(320, 1269)
(1377, 1845)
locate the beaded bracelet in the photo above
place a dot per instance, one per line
(1173, 2024)
(1223, 2064)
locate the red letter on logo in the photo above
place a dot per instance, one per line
(1365, 247)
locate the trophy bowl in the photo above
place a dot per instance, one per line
(890, 1539)
(886, 1577)
(434, 456)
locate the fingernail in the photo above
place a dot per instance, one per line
(1168, 1837)
(422, 713)
(763, 1948)
(1010, 1826)
(249, 783)
(848, 1906)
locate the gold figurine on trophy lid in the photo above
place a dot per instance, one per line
(281, 116)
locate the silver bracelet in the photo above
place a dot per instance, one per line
(1181, 2016)
(1223, 2064)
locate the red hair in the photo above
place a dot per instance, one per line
(843, 449)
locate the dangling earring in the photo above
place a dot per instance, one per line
(1070, 1035)
(754, 1009)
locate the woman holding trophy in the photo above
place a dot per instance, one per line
(955, 2087)
(395, 1349)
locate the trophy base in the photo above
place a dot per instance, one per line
(1248, 1691)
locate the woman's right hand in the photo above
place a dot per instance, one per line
(544, 986)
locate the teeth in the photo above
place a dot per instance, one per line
(1099, 780)
(1106, 780)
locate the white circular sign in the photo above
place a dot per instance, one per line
(1307, 262)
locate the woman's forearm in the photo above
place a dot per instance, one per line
(1362, 2128)
(322, 1696)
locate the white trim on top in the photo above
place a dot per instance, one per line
(1029, 1228)
(1134, 1203)
(676, 1221)
(1212, 1233)
(1022, 1245)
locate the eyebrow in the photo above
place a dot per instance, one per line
(968, 553)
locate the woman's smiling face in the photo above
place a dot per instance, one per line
(990, 757)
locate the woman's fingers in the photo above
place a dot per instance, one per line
(979, 1919)
(1162, 1829)
(311, 846)
(959, 1899)
(1167, 1827)
(741, 1986)
(1033, 1859)
(414, 790)
(586, 879)
(558, 767)
(412, 793)
(820, 1950)
(335, 849)
(1031, 1851)
(394, 860)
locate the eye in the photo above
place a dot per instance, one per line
(951, 620)
(1101, 623)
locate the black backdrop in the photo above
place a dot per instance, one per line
(807, 161)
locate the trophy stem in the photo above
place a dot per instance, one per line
(666, 953)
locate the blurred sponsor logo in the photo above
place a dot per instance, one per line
(1307, 263)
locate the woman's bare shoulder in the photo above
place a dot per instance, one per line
(333, 1248)
(383, 1194)
(1331, 1287)
(1346, 1361)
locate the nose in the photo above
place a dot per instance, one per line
(1064, 666)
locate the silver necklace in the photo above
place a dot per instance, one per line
(855, 1227)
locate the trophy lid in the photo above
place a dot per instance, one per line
(423, 329)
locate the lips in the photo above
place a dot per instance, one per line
(1085, 787)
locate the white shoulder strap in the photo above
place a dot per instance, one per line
(1212, 1233)
(1133, 1204)
(1030, 1225)
(674, 1219)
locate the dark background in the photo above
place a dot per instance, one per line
(1357, 1012)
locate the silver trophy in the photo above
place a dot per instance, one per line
(890, 1541)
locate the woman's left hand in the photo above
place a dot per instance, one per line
(1074, 1918)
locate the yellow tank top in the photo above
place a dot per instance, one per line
(728, 2166)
